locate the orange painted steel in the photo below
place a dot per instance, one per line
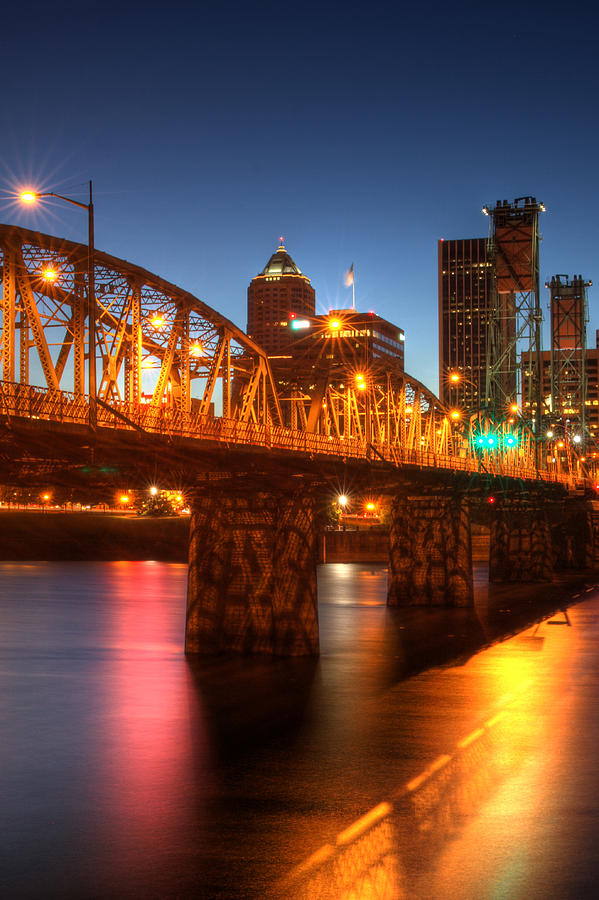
(172, 365)
(25, 402)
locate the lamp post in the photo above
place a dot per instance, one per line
(30, 197)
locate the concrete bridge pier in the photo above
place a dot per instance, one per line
(521, 546)
(252, 570)
(575, 534)
(430, 548)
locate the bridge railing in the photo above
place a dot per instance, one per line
(29, 402)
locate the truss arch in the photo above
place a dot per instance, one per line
(157, 344)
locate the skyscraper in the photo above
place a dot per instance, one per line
(280, 292)
(464, 314)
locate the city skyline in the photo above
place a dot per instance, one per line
(363, 140)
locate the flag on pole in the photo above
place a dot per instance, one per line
(349, 277)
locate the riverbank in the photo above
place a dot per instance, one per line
(28, 535)
(40, 535)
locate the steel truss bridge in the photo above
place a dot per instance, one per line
(170, 366)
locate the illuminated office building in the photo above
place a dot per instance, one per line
(345, 340)
(465, 299)
(281, 291)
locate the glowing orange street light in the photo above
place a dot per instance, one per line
(560, 444)
(153, 490)
(196, 349)
(124, 498)
(514, 408)
(455, 414)
(30, 197)
(342, 500)
(157, 321)
(49, 275)
(360, 382)
(455, 377)
(370, 506)
(334, 324)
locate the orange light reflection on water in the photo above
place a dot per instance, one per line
(152, 757)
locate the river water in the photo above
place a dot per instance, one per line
(129, 771)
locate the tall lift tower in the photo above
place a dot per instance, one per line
(568, 377)
(516, 317)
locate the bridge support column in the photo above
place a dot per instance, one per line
(520, 541)
(430, 550)
(575, 535)
(252, 572)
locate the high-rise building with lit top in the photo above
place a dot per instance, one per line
(279, 293)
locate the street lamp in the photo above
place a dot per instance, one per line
(31, 197)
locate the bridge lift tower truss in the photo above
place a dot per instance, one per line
(568, 376)
(516, 316)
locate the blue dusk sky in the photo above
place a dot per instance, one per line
(360, 134)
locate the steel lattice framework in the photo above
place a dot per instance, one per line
(172, 365)
(148, 332)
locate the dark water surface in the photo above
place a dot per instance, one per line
(127, 771)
